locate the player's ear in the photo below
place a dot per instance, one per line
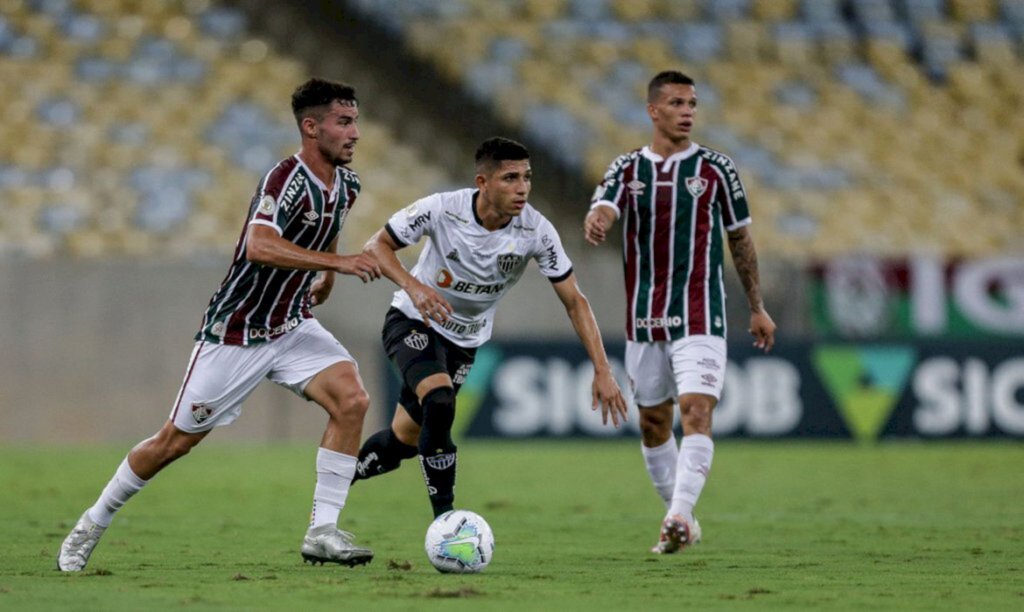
(480, 181)
(308, 127)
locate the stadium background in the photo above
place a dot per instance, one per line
(880, 141)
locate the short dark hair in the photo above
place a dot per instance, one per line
(493, 151)
(315, 95)
(664, 78)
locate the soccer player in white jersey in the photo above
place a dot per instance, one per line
(259, 325)
(675, 198)
(480, 241)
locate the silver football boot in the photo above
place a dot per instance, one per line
(677, 533)
(78, 546)
(328, 544)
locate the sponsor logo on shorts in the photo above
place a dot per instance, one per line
(273, 332)
(416, 341)
(658, 322)
(708, 363)
(464, 329)
(441, 462)
(201, 412)
(709, 380)
(461, 374)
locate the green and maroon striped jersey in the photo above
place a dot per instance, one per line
(673, 212)
(257, 303)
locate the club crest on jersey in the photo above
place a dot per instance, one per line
(508, 262)
(636, 187)
(201, 412)
(416, 341)
(696, 186)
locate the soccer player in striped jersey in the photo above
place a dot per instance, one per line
(480, 241)
(259, 325)
(675, 198)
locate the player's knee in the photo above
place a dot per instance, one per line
(349, 405)
(655, 426)
(697, 416)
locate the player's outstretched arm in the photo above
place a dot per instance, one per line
(744, 257)
(604, 390)
(597, 223)
(263, 245)
(381, 248)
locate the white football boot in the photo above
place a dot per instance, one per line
(676, 534)
(78, 546)
(328, 544)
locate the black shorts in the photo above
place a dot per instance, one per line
(418, 352)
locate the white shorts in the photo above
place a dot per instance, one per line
(665, 370)
(220, 376)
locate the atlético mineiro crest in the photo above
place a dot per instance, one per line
(201, 412)
(696, 186)
(508, 262)
(416, 341)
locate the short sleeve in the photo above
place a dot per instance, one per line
(408, 225)
(275, 200)
(611, 192)
(732, 198)
(551, 258)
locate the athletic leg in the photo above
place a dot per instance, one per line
(436, 448)
(142, 463)
(658, 445)
(385, 450)
(339, 391)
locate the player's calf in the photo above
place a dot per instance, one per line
(382, 452)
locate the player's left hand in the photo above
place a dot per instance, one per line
(320, 290)
(605, 393)
(762, 328)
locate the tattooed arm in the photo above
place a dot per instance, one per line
(744, 257)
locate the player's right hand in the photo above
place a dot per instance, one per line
(361, 265)
(595, 227)
(429, 302)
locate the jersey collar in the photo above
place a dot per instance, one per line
(313, 177)
(476, 215)
(654, 157)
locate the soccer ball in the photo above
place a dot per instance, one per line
(459, 542)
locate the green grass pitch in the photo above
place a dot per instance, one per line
(786, 526)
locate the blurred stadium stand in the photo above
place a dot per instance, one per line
(141, 128)
(878, 126)
(133, 133)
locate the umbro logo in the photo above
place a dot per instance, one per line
(636, 187)
(310, 217)
(453, 256)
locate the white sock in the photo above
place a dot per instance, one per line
(334, 472)
(661, 466)
(119, 490)
(695, 455)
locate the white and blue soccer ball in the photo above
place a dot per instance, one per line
(459, 542)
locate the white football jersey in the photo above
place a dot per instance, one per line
(470, 266)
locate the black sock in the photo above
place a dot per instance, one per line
(381, 453)
(436, 449)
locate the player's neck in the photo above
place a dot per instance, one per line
(322, 169)
(666, 147)
(489, 218)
